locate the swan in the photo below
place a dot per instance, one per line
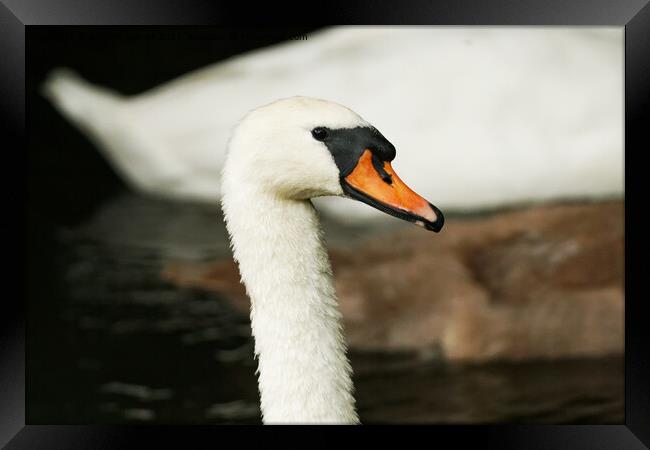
(543, 106)
(280, 156)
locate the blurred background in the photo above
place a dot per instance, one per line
(513, 313)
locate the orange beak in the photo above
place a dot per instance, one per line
(374, 181)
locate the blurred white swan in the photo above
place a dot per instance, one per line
(511, 115)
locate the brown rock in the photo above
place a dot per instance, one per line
(543, 282)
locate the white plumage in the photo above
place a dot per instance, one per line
(274, 166)
(511, 114)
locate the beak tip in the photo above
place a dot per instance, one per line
(440, 220)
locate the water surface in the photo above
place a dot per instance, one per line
(126, 347)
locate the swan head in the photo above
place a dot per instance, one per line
(301, 147)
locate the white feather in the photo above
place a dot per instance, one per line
(272, 169)
(482, 117)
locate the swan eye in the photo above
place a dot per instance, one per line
(319, 133)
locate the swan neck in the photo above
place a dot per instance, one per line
(304, 373)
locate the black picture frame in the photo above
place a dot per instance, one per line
(17, 15)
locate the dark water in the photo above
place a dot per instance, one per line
(122, 346)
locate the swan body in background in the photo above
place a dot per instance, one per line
(280, 157)
(513, 115)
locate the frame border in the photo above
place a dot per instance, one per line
(634, 15)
